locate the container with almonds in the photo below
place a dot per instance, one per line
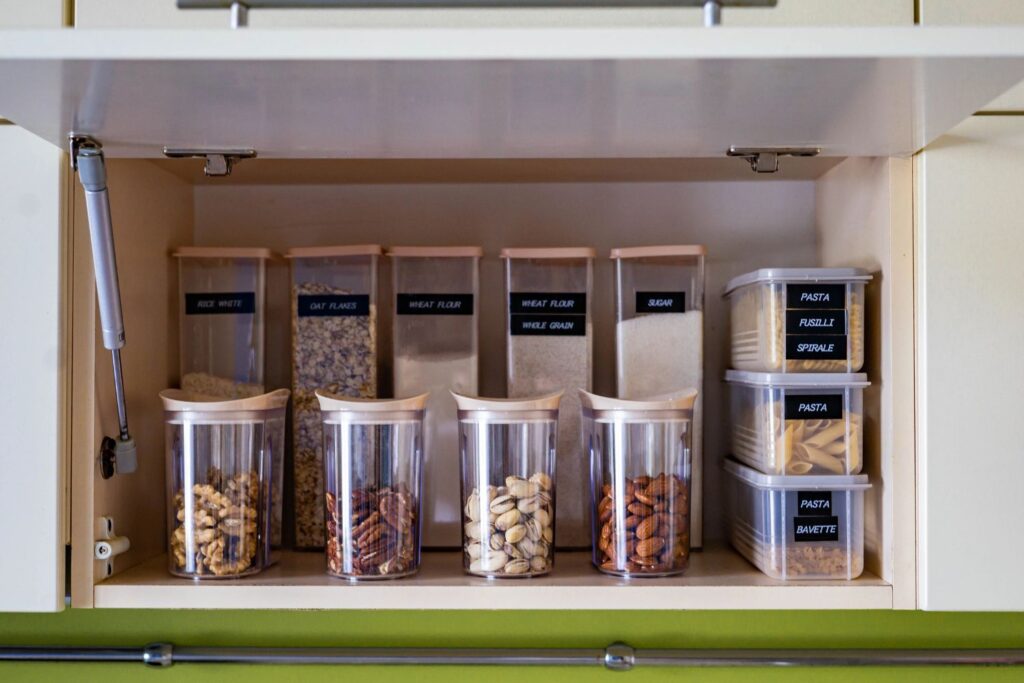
(640, 481)
(373, 451)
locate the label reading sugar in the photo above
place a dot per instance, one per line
(814, 406)
(574, 303)
(814, 503)
(816, 346)
(815, 321)
(220, 303)
(333, 305)
(553, 325)
(815, 295)
(661, 302)
(434, 304)
(811, 529)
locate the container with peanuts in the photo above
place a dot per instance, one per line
(373, 453)
(640, 482)
(798, 319)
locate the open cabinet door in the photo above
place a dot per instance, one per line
(32, 358)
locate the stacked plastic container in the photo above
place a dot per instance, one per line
(794, 492)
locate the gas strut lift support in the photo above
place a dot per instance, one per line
(116, 456)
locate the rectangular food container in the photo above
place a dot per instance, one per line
(808, 527)
(659, 335)
(223, 474)
(508, 449)
(550, 348)
(222, 314)
(639, 453)
(334, 349)
(435, 350)
(373, 473)
(798, 319)
(797, 424)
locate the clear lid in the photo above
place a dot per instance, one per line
(799, 482)
(222, 252)
(798, 275)
(789, 380)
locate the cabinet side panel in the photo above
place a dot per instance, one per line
(969, 366)
(32, 366)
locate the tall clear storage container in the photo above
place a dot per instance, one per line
(435, 351)
(659, 335)
(508, 484)
(640, 483)
(222, 318)
(373, 473)
(549, 347)
(334, 349)
(219, 476)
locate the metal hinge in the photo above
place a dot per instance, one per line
(219, 162)
(766, 159)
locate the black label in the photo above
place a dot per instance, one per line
(814, 406)
(815, 296)
(819, 529)
(560, 303)
(434, 304)
(804, 321)
(661, 302)
(816, 346)
(333, 305)
(219, 303)
(811, 503)
(553, 325)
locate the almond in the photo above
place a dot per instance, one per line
(647, 528)
(639, 509)
(650, 546)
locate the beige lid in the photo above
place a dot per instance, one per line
(222, 252)
(332, 402)
(179, 400)
(548, 252)
(678, 400)
(347, 250)
(508, 405)
(666, 250)
(436, 252)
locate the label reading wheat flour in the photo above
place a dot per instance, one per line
(434, 304)
(559, 314)
(814, 406)
(220, 303)
(661, 302)
(333, 305)
(816, 295)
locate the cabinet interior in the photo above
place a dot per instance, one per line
(829, 212)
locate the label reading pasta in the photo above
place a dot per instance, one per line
(220, 303)
(813, 502)
(815, 321)
(818, 528)
(815, 296)
(661, 302)
(814, 406)
(434, 304)
(332, 305)
(816, 346)
(559, 314)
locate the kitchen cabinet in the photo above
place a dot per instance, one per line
(610, 137)
(35, 14)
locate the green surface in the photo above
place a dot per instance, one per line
(508, 629)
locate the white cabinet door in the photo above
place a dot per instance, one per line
(975, 13)
(32, 13)
(165, 14)
(32, 360)
(970, 277)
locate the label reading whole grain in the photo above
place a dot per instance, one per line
(333, 305)
(814, 406)
(434, 304)
(560, 314)
(816, 346)
(661, 302)
(554, 325)
(815, 321)
(816, 295)
(814, 503)
(220, 303)
(811, 529)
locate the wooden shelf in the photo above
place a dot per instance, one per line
(718, 579)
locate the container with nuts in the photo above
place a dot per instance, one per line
(508, 493)
(373, 453)
(640, 469)
(219, 474)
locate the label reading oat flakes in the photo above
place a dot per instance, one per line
(823, 528)
(816, 346)
(813, 502)
(815, 321)
(220, 303)
(815, 295)
(434, 304)
(814, 406)
(661, 302)
(333, 305)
